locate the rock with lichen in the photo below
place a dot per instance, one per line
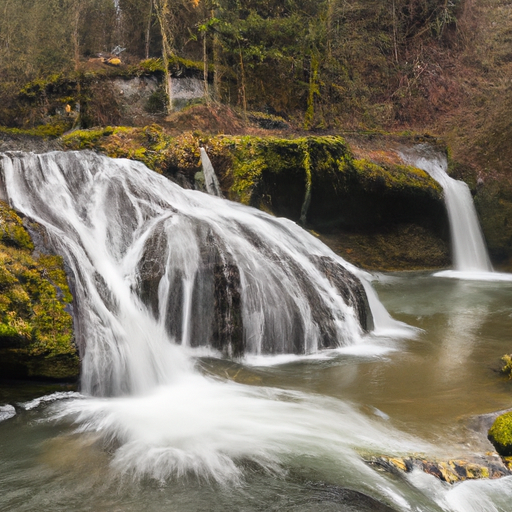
(450, 471)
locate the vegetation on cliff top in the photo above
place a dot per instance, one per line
(36, 330)
(326, 63)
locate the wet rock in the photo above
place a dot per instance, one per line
(450, 471)
(331, 497)
(23, 142)
(350, 288)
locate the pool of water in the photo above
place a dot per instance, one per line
(298, 426)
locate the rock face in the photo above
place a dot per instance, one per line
(36, 327)
(493, 201)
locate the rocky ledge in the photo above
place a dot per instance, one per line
(450, 471)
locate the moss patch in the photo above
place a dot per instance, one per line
(147, 145)
(36, 331)
(500, 434)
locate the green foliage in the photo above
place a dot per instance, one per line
(500, 434)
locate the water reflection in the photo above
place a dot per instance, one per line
(468, 310)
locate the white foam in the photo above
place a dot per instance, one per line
(46, 399)
(474, 276)
(209, 428)
(7, 412)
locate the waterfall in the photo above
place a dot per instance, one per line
(470, 257)
(157, 266)
(210, 178)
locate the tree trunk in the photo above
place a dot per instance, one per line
(148, 29)
(205, 69)
(162, 9)
(216, 64)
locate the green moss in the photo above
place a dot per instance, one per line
(147, 145)
(186, 64)
(500, 434)
(149, 66)
(50, 130)
(395, 177)
(507, 365)
(12, 232)
(39, 86)
(34, 294)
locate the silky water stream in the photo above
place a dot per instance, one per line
(164, 423)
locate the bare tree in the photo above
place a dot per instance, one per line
(163, 16)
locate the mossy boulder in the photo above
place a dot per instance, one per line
(36, 329)
(500, 434)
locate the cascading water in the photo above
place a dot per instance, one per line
(155, 267)
(470, 257)
(210, 178)
(155, 262)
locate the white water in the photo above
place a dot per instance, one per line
(152, 261)
(135, 242)
(470, 257)
(210, 178)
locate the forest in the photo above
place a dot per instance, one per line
(255, 255)
(322, 64)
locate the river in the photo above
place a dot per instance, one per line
(417, 394)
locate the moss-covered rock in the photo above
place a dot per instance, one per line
(36, 330)
(500, 434)
(507, 365)
(147, 145)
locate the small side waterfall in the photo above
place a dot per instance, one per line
(210, 178)
(470, 257)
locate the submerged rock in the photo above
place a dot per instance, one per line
(7, 412)
(331, 497)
